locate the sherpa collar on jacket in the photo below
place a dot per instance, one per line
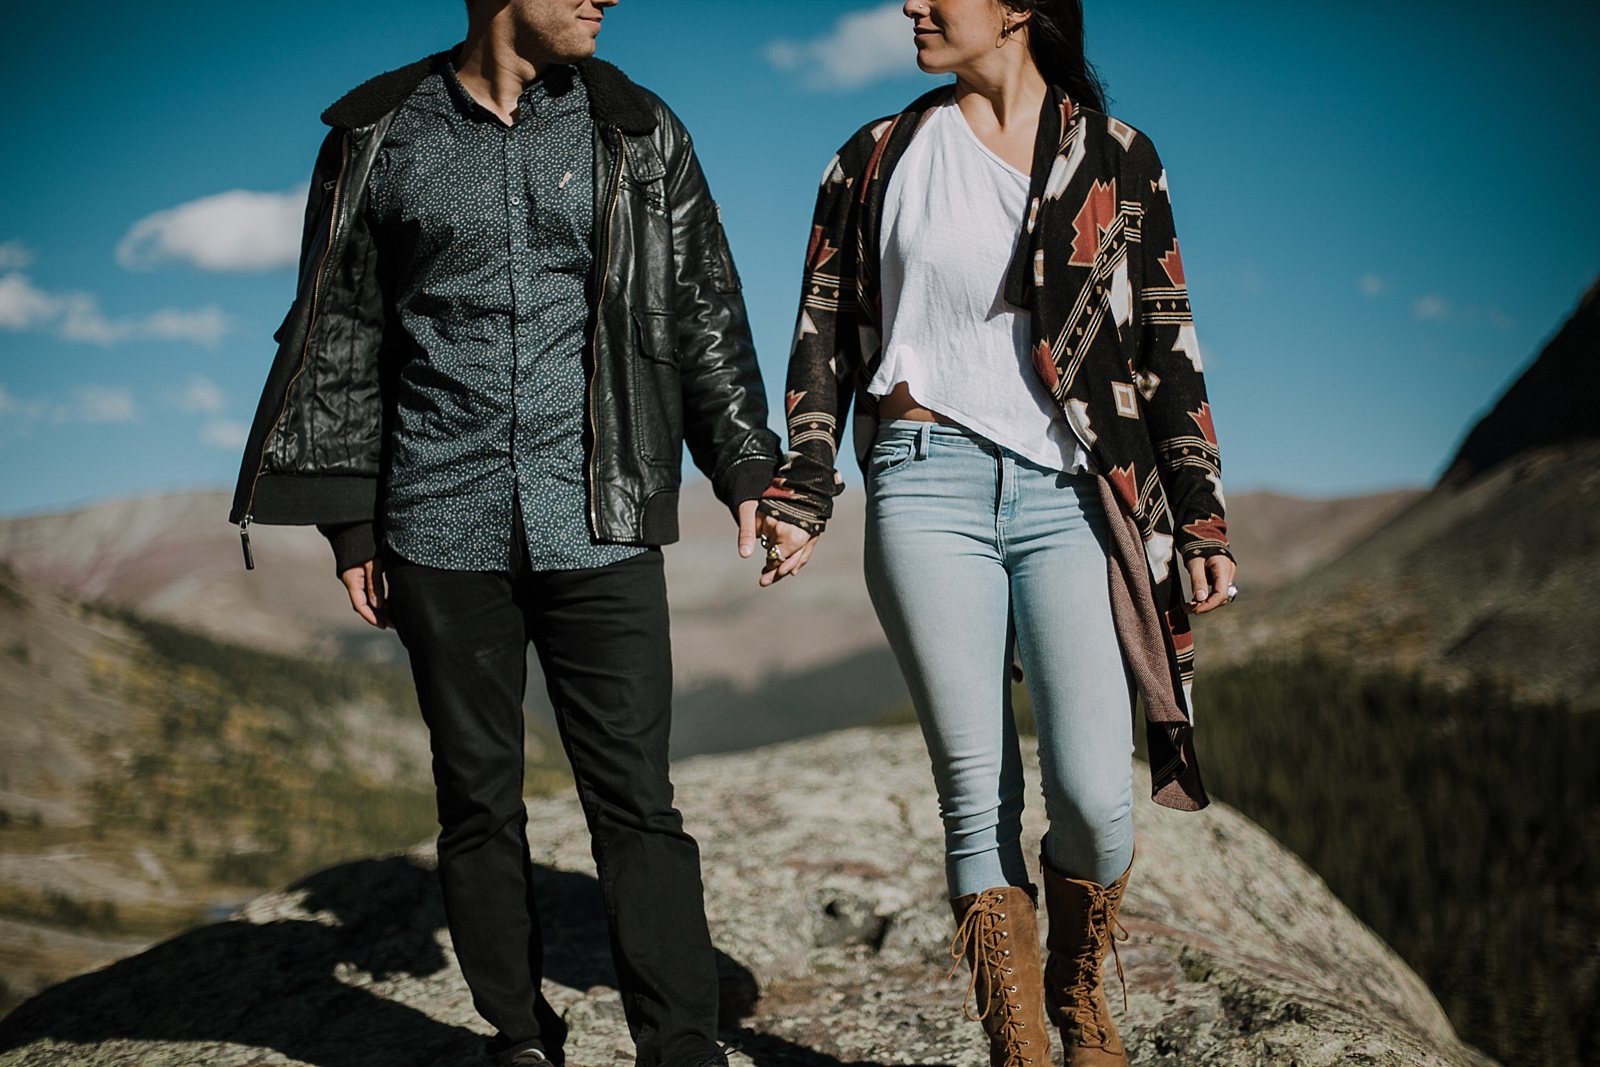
(613, 99)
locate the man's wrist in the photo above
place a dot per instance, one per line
(353, 544)
(747, 481)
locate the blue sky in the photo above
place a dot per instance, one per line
(1384, 209)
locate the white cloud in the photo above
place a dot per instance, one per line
(1372, 285)
(77, 316)
(98, 403)
(1431, 308)
(22, 306)
(863, 47)
(14, 255)
(238, 230)
(204, 326)
(200, 397)
(18, 415)
(225, 434)
(87, 404)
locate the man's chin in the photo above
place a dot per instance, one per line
(580, 48)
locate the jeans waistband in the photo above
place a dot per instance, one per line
(921, 435)
(915, 425)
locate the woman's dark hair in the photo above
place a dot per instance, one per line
(1055, 37)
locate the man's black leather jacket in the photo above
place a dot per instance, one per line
(669, 357)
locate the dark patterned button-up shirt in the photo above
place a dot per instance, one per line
(484, 229)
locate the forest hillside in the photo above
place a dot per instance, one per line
(1418, 717)
(1493, 574)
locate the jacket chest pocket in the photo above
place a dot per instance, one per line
(646, 173)
(656, 333)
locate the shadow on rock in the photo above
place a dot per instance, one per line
(275, 984)
(577, 946)
(770, 1050)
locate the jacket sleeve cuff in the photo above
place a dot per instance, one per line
(353, 544)
(746, 481)
(1205, 550)
(784, 511)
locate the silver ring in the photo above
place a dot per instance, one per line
(1233, 591)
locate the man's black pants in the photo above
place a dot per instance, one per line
(602, 636)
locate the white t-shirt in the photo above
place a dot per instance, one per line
(951, 218)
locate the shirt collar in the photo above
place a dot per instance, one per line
(553, 85)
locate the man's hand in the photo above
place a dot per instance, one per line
(793, 544)
(1209, 580)
(365, 586)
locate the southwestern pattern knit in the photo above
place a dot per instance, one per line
(1098, 267)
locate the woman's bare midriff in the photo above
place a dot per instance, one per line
(900, 404)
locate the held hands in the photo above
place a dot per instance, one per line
(788, 547)
(1211, 580)
(791, 548)
(364, 583)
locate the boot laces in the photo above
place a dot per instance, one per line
(1105, 924)
(982, 932)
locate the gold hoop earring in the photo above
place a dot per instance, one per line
(1005, 34)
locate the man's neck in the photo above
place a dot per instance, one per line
(497, 63)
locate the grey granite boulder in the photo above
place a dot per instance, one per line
(825, 890)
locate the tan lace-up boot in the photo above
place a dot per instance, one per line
(1083, 925)
(998, 936)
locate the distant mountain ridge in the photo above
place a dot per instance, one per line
(1552, 403)
(808, 652)
(1494, 573)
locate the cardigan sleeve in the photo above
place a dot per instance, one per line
(1170, 376)
(825, 356)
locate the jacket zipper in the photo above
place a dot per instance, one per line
(594, 338)
(305, 348)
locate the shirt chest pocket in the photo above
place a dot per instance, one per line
(656, 333)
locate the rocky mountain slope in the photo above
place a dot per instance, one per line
(1495, 572)
(825, 890)
(1277, 537)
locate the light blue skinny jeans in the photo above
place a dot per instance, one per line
(972, 550)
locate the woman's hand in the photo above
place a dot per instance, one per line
(1209, 579)
(788, 546)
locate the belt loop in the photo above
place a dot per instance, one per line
(924, 437)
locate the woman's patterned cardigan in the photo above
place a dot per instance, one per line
(1099, 270)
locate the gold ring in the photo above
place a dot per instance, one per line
(774, 555)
